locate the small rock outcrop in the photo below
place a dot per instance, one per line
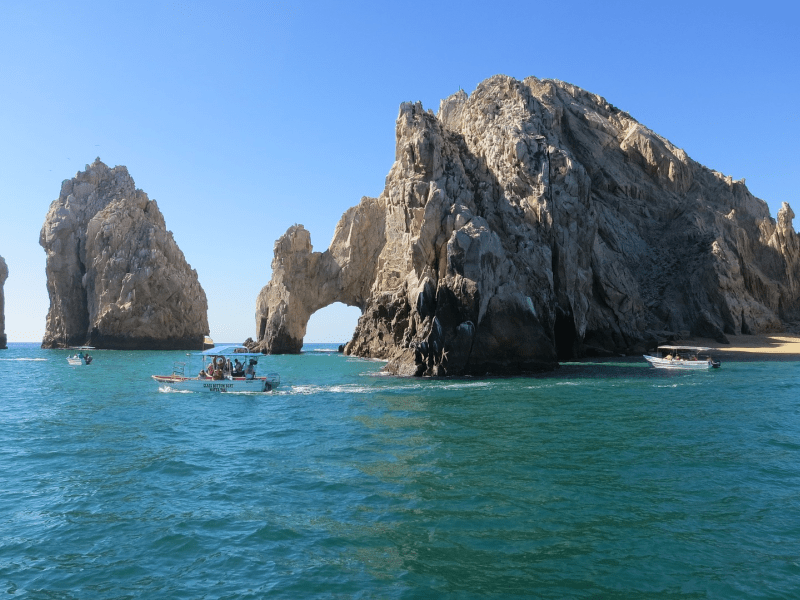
(532, 222)
(115, 275)
(3, 277)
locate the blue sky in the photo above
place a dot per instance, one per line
(243, 118)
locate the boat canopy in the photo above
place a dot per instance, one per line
(228, 351)
(695, 348)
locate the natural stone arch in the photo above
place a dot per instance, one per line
(304, 281)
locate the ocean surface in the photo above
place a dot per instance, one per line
(601, 480)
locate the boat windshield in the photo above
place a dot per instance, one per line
(228, 351)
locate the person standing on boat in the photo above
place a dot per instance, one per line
(250, 372)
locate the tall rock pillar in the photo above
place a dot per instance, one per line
(115, 275)
(3, 277)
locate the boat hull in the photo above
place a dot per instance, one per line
(679, 365)
(236, 384)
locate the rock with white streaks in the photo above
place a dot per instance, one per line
(531, 222)
(115, 275)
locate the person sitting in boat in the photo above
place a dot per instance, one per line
(250, 371)
(218, 364)
(238, 368)
(211, 370)
(668, 357)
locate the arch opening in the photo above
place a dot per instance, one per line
(332, 324)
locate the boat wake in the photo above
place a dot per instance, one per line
(165, 389)
(25, 359)
(334, 389)
(371, 389)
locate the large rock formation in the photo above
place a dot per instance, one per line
(530, 222)
(115, 275)
(3, 277)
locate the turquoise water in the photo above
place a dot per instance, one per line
(608, 480)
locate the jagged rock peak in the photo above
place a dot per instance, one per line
(115, 275)
(3, 277)
(532, 221)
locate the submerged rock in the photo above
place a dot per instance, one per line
(115, 275)
(531, 222)
(3, 277)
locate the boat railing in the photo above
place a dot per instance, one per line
(178, 369)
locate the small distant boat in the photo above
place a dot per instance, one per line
(221, 373)
(80, 359)
(690, 358)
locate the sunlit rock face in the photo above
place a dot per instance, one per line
(531, 222)
(115, 275)
(3, 277)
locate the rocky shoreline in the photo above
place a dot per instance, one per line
(533, 222)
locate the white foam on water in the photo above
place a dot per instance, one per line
(458, 386)
(335, 389)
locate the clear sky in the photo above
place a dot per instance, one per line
(243, 118)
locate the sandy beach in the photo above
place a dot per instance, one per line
(775, 346)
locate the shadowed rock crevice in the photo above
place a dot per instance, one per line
(533, 221)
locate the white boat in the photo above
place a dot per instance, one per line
(80, 359)
(219, 373)
(690, 358)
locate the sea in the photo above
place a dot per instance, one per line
(603, 480)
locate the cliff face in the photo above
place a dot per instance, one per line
(3, 277)
(532, 222)
(115, 275)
